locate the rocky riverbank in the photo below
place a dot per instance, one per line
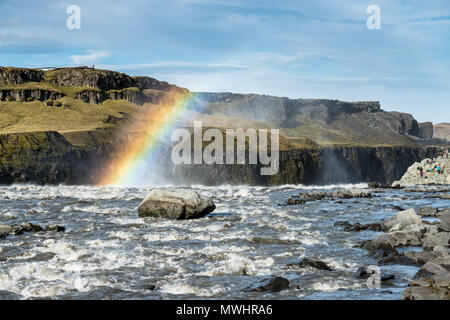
(429, 171)
(401, 235)
(408, 229)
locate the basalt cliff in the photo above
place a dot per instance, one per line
(66, 125)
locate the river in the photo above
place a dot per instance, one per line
(108, 252)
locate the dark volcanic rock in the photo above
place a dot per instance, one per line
(25, 227)
(48, 158)
(378, 185)
(363, 273)
(15, 76)
(360, 227)
(150, 287)
(273, 284)
(315, 195)
(18, 229)
(379, 249)
(84, 77)
(91, 96)
(24, 95)
(95, 85)
(295, 200)
(395, 258)
(146, 83)
(308, 263)
(426, 130)
(54, 227)
(302, 198)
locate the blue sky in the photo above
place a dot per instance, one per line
(298, 49)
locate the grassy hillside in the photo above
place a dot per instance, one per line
(70, 115)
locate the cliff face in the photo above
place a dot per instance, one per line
(323, 120)
(94, 86)
(442, 131)
(283, 111)
(49, 158)
(15, 76)
(426, 130)
(29, 95)
(331, 165)
(72, 140)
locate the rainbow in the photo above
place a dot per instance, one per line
(127, 167)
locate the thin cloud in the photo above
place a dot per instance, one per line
(170, 64)
(90, 56)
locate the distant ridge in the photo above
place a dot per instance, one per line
(442, 131)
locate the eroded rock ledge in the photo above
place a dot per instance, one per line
(85, 84)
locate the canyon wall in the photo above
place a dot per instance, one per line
(49, 158)
(319, 166)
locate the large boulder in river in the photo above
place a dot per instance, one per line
(398, 239)
(175, 204)
(406, 220)
(428, 270)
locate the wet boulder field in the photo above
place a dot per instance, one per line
(108, 252)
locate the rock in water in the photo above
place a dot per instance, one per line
(352, 193)
(428, 212)
(175, 204)
(364, 273)
(305, 263)
(428, 270)
(25, 227)
(4, 231)
(273, 284)
(422, 293)
(54, 227)
(404, 220)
